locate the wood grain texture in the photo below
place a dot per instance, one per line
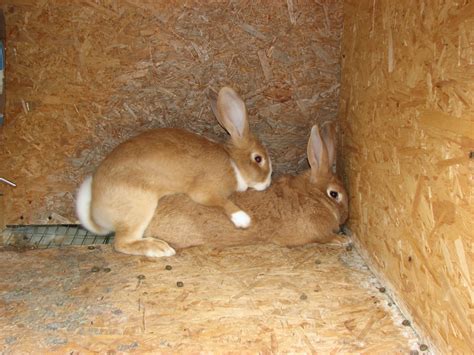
(407, 118)
(84, 76)
(256, 299)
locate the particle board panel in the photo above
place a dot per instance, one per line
(407, 123)
(261, 298)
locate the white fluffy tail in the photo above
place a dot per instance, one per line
(83, 208)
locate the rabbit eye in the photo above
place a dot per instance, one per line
(333, 194)
(256, 157)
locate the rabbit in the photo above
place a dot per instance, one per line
(295, 210)
(123, 193)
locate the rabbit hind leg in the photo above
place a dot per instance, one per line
(129, 233)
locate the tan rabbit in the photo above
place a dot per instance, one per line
(295, 210)
(123, 193)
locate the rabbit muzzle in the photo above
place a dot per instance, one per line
(260, 186)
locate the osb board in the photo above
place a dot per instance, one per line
(407, 118)
(257, 299)
(83, 76)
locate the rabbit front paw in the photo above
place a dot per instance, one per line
(241, 219)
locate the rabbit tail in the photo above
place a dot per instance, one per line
(83, 208)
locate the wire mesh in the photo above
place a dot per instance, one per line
(51, 236)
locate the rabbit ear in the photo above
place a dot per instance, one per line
(328, 133)
(317, 153)
(231, 113)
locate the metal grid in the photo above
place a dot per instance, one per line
(51, 236)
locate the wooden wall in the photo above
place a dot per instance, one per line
(407, 117)
(83, 76)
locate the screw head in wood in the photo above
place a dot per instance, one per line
(141, 277)
(168, 267)
(423, 347)
(179, 284)
(95, 269)
(406, 322)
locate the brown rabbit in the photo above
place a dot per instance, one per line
(123, 193)
(295, 210)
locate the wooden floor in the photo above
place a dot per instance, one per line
(257, 298)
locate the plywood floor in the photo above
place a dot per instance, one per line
(256, 298)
